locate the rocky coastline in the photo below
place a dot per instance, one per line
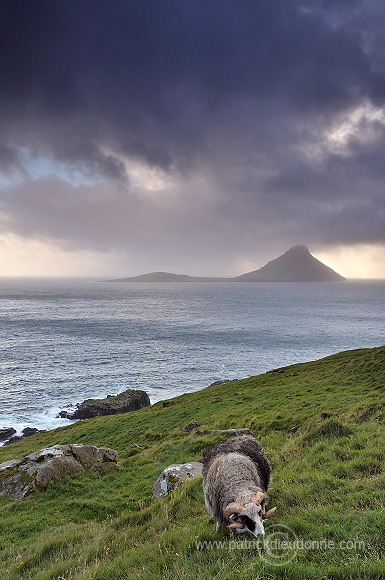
(127, 401)
(8, 434)
(130, 400)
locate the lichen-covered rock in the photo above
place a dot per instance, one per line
(173, 475)
(130, 400)
(35, 472)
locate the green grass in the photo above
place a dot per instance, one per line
(322, 427)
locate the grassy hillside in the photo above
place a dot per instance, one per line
(322, 427)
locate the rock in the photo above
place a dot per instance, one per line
(168, 403)
(6, 433)
(27, 432)
(35, 472)
(191, 427)
(13, 439)
(218, 383)
(130, 400)
(172, 476)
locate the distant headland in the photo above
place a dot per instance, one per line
(295, 265)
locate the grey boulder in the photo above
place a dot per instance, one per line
(173, 476)
(35, 472)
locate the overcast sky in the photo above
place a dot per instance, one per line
(192, 136)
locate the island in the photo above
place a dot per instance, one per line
(295, 265)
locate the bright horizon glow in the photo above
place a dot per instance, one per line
(19, 257)
(363, 261)
(35, 258)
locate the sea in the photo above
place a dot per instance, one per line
(66, 340)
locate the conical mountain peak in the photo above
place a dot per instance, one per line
(299, 249)
(295, 265)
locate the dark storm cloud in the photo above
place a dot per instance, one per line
(233, 100)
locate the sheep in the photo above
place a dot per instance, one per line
(236, 476)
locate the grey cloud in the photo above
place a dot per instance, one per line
(8, 160)
(226, 98)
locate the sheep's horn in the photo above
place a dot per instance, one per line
(235, 507)
(236, 525)
(259, 497)
(269, 513)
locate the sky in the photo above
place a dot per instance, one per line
(191, 136)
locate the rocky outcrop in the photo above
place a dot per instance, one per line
(130, 400)
(27, 432)
(35, 472)
(6, 433)
(168, 403)
(173, 476)
(222, 382)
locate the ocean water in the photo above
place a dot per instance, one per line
(65, 340)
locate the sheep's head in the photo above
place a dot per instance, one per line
(248, 517)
